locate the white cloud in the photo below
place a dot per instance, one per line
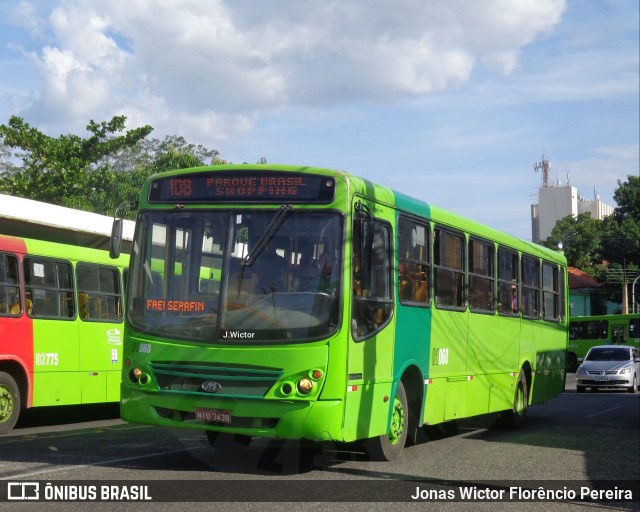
(205, 63)
(25, 15)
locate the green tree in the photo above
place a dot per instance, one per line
(58, 170)
(627, 197)
(621, 240)
(581, 239)
(146, 152)
(120, 177)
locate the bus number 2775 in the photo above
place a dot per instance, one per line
(46, 359)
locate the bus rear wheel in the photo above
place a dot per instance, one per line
(389, 446)
(9, 402)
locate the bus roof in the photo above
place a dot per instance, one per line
(34, 219)
(385, 194)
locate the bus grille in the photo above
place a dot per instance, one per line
(218, 380)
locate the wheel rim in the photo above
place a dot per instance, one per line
(6, 404)
(397, 421)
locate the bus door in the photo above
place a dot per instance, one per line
(370, 358)
(618, 334)
(49, 301)
(100, 331)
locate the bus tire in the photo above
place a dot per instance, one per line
(9, 402)
(514, 418)
(389, 447)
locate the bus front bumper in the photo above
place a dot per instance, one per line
(273, 418)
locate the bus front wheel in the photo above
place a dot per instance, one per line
(389, 446)
(9, 402)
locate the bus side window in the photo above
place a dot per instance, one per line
(530, 287)
(550, 292)
(481, 276)
(49, 285)
(99, 295)
(448, 260)
(413, 267)
(508, 283)
(9, 286)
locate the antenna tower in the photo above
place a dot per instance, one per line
(544, 166)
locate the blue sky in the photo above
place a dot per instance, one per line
(452, 102)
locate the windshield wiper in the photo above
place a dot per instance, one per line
(266, 236)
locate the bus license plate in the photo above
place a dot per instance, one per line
(213, 415)
(601, 378)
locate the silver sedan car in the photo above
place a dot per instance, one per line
(609, 366)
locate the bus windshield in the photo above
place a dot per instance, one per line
(237, 277)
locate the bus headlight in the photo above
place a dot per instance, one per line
(305, 386)
(137, 376)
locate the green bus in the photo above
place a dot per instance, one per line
(61, 307)
(61, 325)
(589, 331)
(305, 303)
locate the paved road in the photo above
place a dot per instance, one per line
(576, 437)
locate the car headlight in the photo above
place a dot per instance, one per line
(581, 371)
(625, 370)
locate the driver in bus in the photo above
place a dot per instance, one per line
(270, 268)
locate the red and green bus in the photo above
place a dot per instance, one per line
(589, 331)
(61, 309)
(305, 303)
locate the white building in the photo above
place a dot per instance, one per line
(554, 203)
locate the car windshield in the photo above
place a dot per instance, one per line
(236, 276)
(608, 354)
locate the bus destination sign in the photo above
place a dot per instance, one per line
(243, 186)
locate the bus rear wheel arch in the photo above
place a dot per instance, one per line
(389, 446)
(9, 402)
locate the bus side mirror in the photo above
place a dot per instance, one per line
(115, 243)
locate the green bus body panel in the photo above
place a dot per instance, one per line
(485, 351)
(75, 361)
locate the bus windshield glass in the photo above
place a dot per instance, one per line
(237, 277)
